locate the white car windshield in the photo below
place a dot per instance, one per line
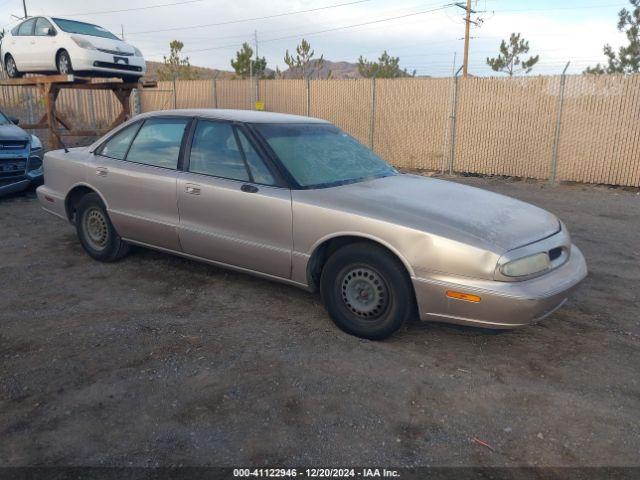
(81, 28)
(321, 155)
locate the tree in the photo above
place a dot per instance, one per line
(176, 67)
(508, 60)
(386, 67)
(627, 60)
(242, 64)
(303, 65)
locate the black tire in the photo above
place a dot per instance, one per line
(96, 232)
(63, 63)
(367, 291)
(11, 68)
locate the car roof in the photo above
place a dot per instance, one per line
(245, 116)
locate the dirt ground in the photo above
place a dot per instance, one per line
(158, 360)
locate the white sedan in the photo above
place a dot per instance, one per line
(49, 44)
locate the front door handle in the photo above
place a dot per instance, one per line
(102, 171)
(192, 189)
(249, 188)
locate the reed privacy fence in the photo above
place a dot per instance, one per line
(573, 128)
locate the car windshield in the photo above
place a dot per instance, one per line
(81, 28)
(4, 120)
(321, 155)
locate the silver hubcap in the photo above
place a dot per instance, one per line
(11, 67)
(95, 224)
(64, 64)
(364, 292)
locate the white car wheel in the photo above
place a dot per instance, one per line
(11, 68)
(64, 63)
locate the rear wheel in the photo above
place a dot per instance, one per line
(11, 68)
(96, 232)
(63, 62)
(366, 291)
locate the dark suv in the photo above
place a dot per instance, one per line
(20, 157)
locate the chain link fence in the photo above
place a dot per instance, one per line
(573, 128)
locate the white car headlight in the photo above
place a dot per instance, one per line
(137, 52)
(82, 43)
(527, 265)
(36, 144)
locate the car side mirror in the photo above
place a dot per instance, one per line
(14, 120)
(51, 32)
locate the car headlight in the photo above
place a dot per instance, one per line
(138, 53)
(36, 144)
(82, 43)
(526, 265)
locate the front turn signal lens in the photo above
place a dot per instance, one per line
(463, 296)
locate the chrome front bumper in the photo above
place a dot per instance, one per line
(502, 304)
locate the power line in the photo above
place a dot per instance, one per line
(148, 7)
(318, 32)
(208, 39)
(617, 5)
(229, 22)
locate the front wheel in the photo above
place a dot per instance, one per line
(96, 232)
(11, 67)
(63, 62)
(367, 291)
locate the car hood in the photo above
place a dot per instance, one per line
(12, 132)
(455, 211)
(106, 43)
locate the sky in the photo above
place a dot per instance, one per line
(426, 35)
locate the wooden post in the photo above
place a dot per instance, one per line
(50, 111)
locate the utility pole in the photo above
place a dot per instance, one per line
(467, 25)
(467, 28)
(24, 6)
(122, 32)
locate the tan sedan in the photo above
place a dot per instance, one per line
(295, 199)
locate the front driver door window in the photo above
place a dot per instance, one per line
(44, 45)
(226, 214)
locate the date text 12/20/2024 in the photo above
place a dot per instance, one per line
(316, 472)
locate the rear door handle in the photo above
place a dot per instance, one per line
(192, 189)
(102, 171)
(249, 188)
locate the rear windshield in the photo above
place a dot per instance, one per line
(322, 155)
(81, 28)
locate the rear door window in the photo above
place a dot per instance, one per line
(158, 142)
(117, 146)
